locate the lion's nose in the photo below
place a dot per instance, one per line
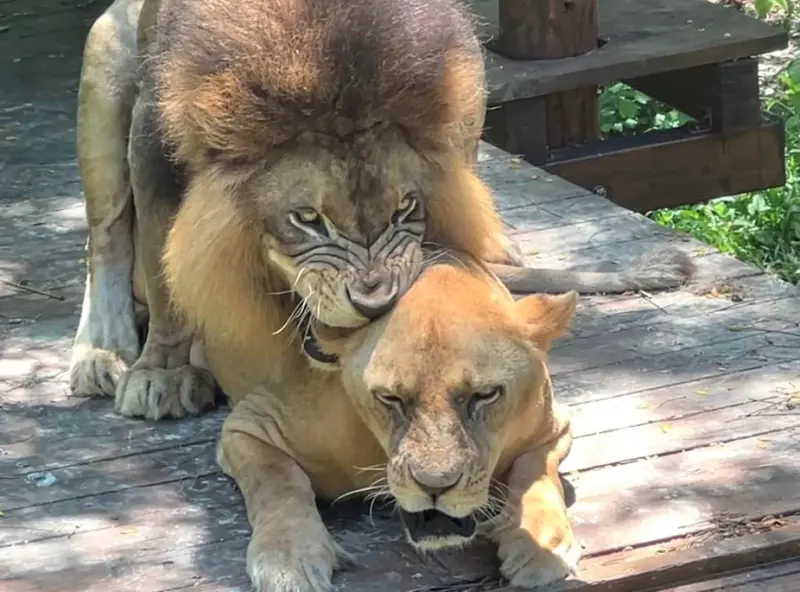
(436, 483)
(373, 295)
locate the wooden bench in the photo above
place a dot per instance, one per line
(546, 59)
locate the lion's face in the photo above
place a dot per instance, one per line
(343, 223)
(450, 378)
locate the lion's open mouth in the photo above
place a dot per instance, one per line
(311, 346)
(435, 524)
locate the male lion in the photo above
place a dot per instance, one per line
(449, 397)
(252, 167)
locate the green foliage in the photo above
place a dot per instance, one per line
(625, 111)
(762, 228)
(763, 8)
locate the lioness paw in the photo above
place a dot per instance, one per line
(526, 565)
(156, 393)
(306, 567)
(95, 371)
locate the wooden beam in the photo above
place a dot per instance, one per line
(641, 37)
(519, 127)
(540, 30)
(677, 167)
(725, 95)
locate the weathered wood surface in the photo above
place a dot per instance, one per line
(640, 37)
(783, 576)
(685, 403)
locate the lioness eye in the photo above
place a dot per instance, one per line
(390, 401)
(481, 399)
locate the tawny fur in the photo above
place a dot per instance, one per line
(389, 95)
(312, 435)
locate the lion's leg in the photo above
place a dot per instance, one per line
(290, 549)
(107, 339)
(536, 545)
(161, 383)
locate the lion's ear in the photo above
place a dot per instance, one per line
(546, 317)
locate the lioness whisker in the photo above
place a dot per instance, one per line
(372, 506)
(375, 488)
(378, 467)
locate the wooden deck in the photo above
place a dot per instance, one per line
(687, 458)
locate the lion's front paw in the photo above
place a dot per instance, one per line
(156, 393)
(513, 254)
(526, 565)
(306, 567)
(95, 371)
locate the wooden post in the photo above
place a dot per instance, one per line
(548, 30)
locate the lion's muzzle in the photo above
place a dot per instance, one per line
(375, 293)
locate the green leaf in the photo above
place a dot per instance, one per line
(793, 71)
(627, 108)
(763, 7)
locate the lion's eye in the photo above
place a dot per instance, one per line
(308, 219)
(391, 401)
(482, 399)
(406, 206)
(408, 202)
(307, 215)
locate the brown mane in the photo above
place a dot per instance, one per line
(329, 66)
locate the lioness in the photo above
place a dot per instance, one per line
(253, 165)
(450, 395)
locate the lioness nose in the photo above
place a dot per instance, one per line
(437, 483)
(373, 296)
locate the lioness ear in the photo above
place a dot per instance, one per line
(547, 317)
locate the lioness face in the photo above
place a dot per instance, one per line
(343, 223)
(446, 382)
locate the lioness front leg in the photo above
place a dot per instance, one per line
(290, 549)
(107, 341)
(536, 545)
(161, 383)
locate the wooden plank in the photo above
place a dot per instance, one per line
(724, 96)
(781, 576)
(637, 374)
(82, 434)
(677, 495)
(770, 388)
(610, 316)
(769, 320)
(656, 567)
(114, 474)
(659, 169)
(667, 35)
(678, 419)
(687, 502)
